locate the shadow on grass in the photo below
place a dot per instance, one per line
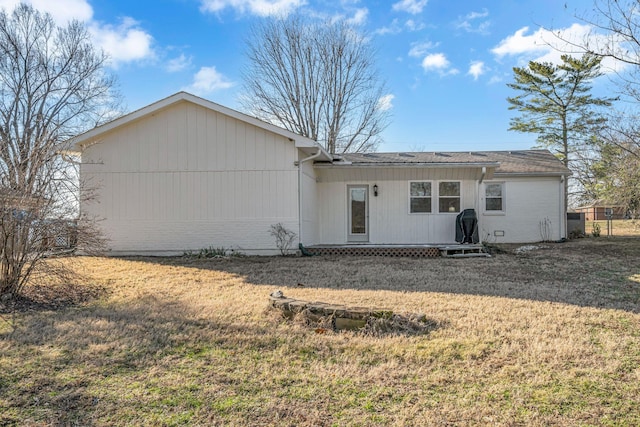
(600, 273)
(43, 297)
(145, 359)
(59, 367)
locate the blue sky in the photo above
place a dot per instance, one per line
(446, 63)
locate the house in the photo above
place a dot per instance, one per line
(185, 173)
(598, 210)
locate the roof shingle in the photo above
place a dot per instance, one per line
(510, 162)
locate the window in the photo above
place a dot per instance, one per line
(494, 197)
(449, 197)
(419, 197)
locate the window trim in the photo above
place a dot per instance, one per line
(459, 197)
(503, 187)
(420, 197)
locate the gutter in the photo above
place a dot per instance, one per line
(407, 165)
(525, 174)
(299, 164)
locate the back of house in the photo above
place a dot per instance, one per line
(184, 174)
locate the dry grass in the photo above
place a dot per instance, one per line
(544, 337)
(620, 227)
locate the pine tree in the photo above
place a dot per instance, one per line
(556, 103)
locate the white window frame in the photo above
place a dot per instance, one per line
(503, 186)
(459, 198)
(421, 197)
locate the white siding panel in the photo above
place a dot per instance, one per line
(528, 202)
(308, 233)
(231, 145)
(250, 148)
(187, 178)
(261, 150)
(176, 136)
(389, 219)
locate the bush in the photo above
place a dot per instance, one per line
(576, 233)
(284, 238)
(209, 252)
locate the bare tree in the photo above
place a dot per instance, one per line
(617, 175)
(317, 79)
(615, 34)
(52, 86)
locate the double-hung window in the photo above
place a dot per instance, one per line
(449, 196)
(419, 197)
(494, 197)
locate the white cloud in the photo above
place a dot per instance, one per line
(435, 61)
(178, 64)
(396, 27)
(548, 46)
(420, 49)
(412, 25)
(495, 80)
(476, 15)
(393, 28)
(473, 22)
(208, 80)
(520, 43)
(413, 7)
(123, 43)
(359, 17)
(438, 62)
(62, 11)
(476, 69)
(255, 7)
(385, 102)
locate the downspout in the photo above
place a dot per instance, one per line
(482, 175)
(300, 162)
(563, 209)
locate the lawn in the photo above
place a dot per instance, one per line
(617, 227)
(545, 336)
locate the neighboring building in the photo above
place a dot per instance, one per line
(185, 173)
(597, 211)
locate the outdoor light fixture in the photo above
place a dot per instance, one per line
(375, 190)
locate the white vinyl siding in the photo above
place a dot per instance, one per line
(530, 201)
(390, 220)
(188, 177)
(309, 208)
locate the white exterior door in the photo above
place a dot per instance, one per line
(358, 213)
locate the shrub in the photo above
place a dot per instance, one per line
(209, 252)
(284, 237)
(576, 233)
(546, 230)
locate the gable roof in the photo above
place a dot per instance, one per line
(90, 137)
(527, 162)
